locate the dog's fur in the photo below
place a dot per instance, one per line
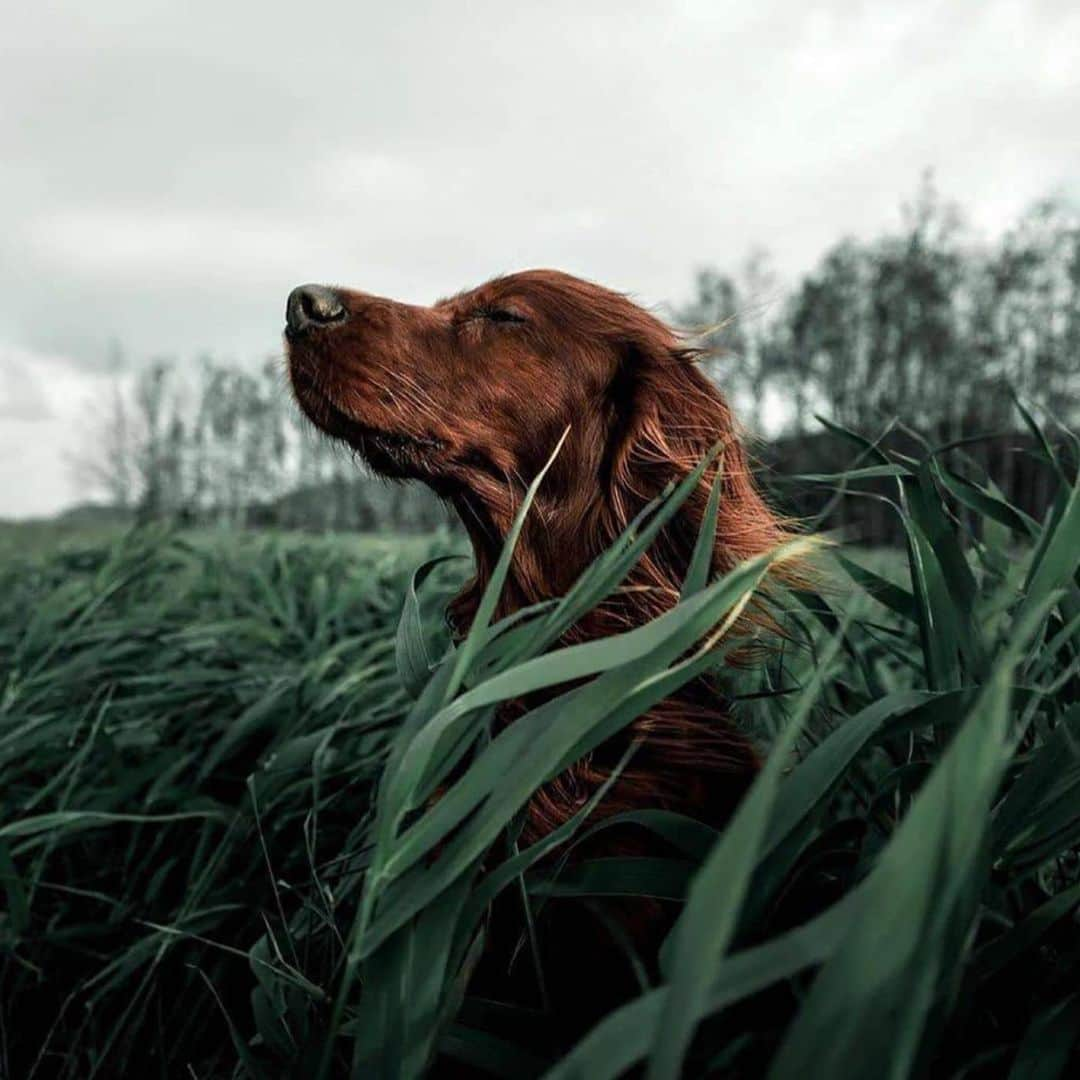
(471, 395)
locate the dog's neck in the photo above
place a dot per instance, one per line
(580, 511)
(548, 558)
(560, 538)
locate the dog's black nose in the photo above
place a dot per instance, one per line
(312, 305)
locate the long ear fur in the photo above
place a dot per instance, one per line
(668, 417)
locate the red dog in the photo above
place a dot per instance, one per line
(470, 396)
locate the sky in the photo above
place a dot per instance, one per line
(170, 170)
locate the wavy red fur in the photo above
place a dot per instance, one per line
(471, 395)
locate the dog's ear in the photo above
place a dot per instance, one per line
(667, 416)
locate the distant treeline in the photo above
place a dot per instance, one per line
(924, 324)
(923, 332)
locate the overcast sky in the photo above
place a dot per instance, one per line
(169, 170)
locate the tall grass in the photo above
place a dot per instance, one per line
(256, 807)
(189, 734)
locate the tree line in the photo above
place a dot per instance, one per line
(922, 333)
(924, 323)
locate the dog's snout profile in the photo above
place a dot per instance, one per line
(310, 306)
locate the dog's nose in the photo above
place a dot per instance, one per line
(312, 305)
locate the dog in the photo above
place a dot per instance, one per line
(470, 396)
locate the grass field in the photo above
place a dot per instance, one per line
(220, 856)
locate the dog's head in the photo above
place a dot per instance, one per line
(483, 382)
(472, 394)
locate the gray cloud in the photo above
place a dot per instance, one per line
(169, 171)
